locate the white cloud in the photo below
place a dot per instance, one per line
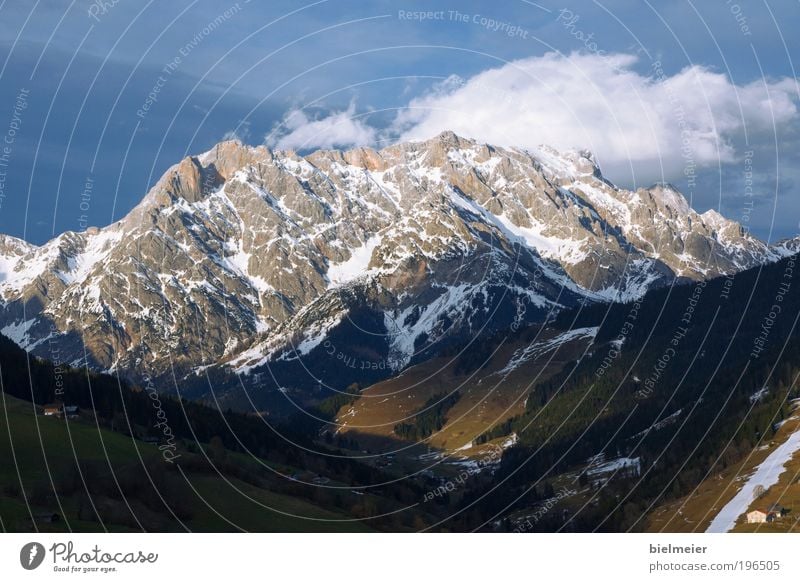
(641, 126)
(339, 129)
(241, 132)
(631, 121)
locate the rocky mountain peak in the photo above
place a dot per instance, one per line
(667, 197)
(228, 157)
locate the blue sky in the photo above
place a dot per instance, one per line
(696, 93)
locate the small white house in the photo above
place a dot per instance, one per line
(757, 516)
(773, 513)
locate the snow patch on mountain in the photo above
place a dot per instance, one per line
(18, 332)
(403, 336)
(539, 348)
(98, 247)
(354, 267)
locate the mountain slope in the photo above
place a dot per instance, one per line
(676, 389)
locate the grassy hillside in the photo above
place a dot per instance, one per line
(475, 390)
(136, 460)
(101, 480)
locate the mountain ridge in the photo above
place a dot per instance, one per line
(244, 256)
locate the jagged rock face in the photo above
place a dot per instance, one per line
(242, 256)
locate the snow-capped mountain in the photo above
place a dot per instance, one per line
(295, 270)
